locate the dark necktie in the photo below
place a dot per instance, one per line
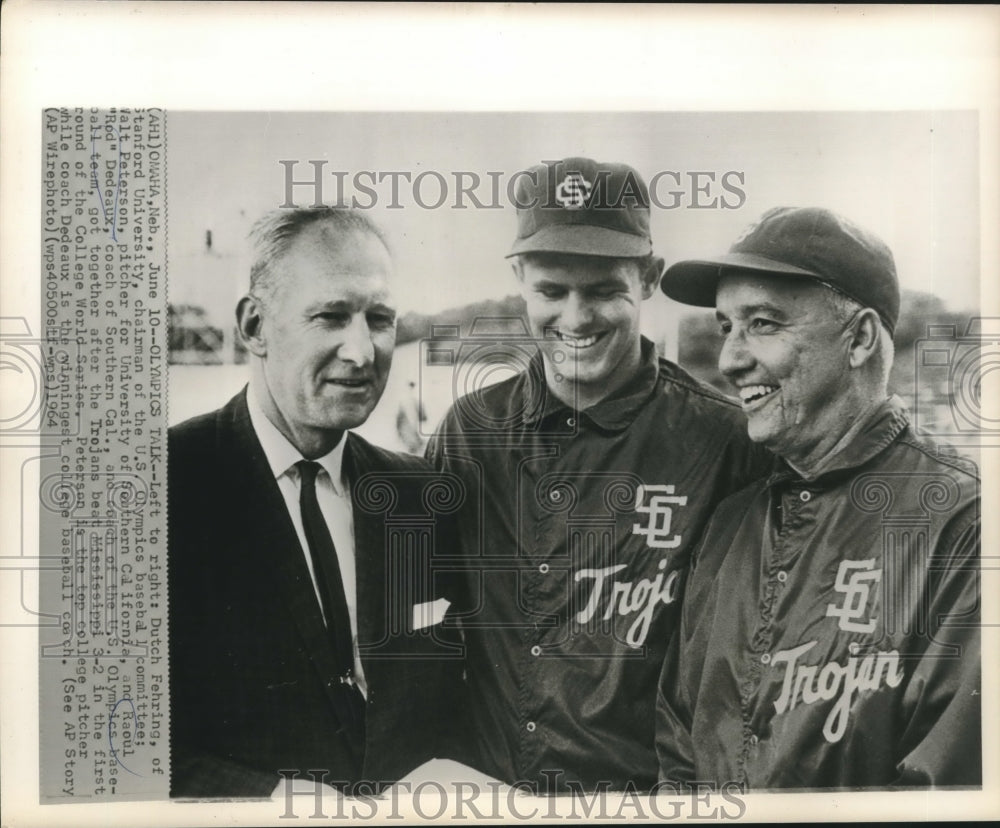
(334, 600)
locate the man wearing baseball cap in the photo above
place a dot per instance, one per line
(593, 471)
(829, 636)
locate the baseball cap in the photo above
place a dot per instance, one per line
(591, 208)
(808, 242)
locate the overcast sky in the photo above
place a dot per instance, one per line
(910, 177)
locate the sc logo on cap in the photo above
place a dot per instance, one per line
(573, 192)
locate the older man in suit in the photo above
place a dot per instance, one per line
(302, 602)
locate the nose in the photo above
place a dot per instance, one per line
(735, 357)
(576, 313)
(356, 345)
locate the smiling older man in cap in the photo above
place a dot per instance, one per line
(830, 630)
(594, 470)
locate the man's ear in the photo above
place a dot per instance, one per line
(864, 333)
(650, 277)
(250, 324)
(515, 265)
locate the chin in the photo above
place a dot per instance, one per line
(344, 418)
(760, 434)
(585, 378)
(591, 369)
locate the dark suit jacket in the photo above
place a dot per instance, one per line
(251, 663)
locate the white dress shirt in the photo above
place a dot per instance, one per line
(334, 497)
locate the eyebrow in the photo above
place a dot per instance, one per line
(332, 304)
(610, 281)
(343, 304)
(750, 310)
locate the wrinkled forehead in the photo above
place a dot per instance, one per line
(350, 251)
(353, 267)
(743, 291)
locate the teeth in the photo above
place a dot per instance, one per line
(577, 341)
(753, 392)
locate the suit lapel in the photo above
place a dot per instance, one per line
(369, 548)
(273, 545)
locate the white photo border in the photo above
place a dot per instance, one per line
(476, 57)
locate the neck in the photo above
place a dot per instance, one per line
(315, 444)
(311, 443)
(811, 464)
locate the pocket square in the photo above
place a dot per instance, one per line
(429, 613)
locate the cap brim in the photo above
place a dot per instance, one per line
(695, 281)
(584, 240)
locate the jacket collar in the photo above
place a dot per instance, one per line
(614, 413)
(882, 427)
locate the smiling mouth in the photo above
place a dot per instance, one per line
(578, 343)
(350, 383)
(752, 393)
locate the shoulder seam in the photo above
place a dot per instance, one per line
(703, 391)
(944, 460)
(486, 395)
(389, 456)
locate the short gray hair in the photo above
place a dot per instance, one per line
(844, 309)
(273, 234)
